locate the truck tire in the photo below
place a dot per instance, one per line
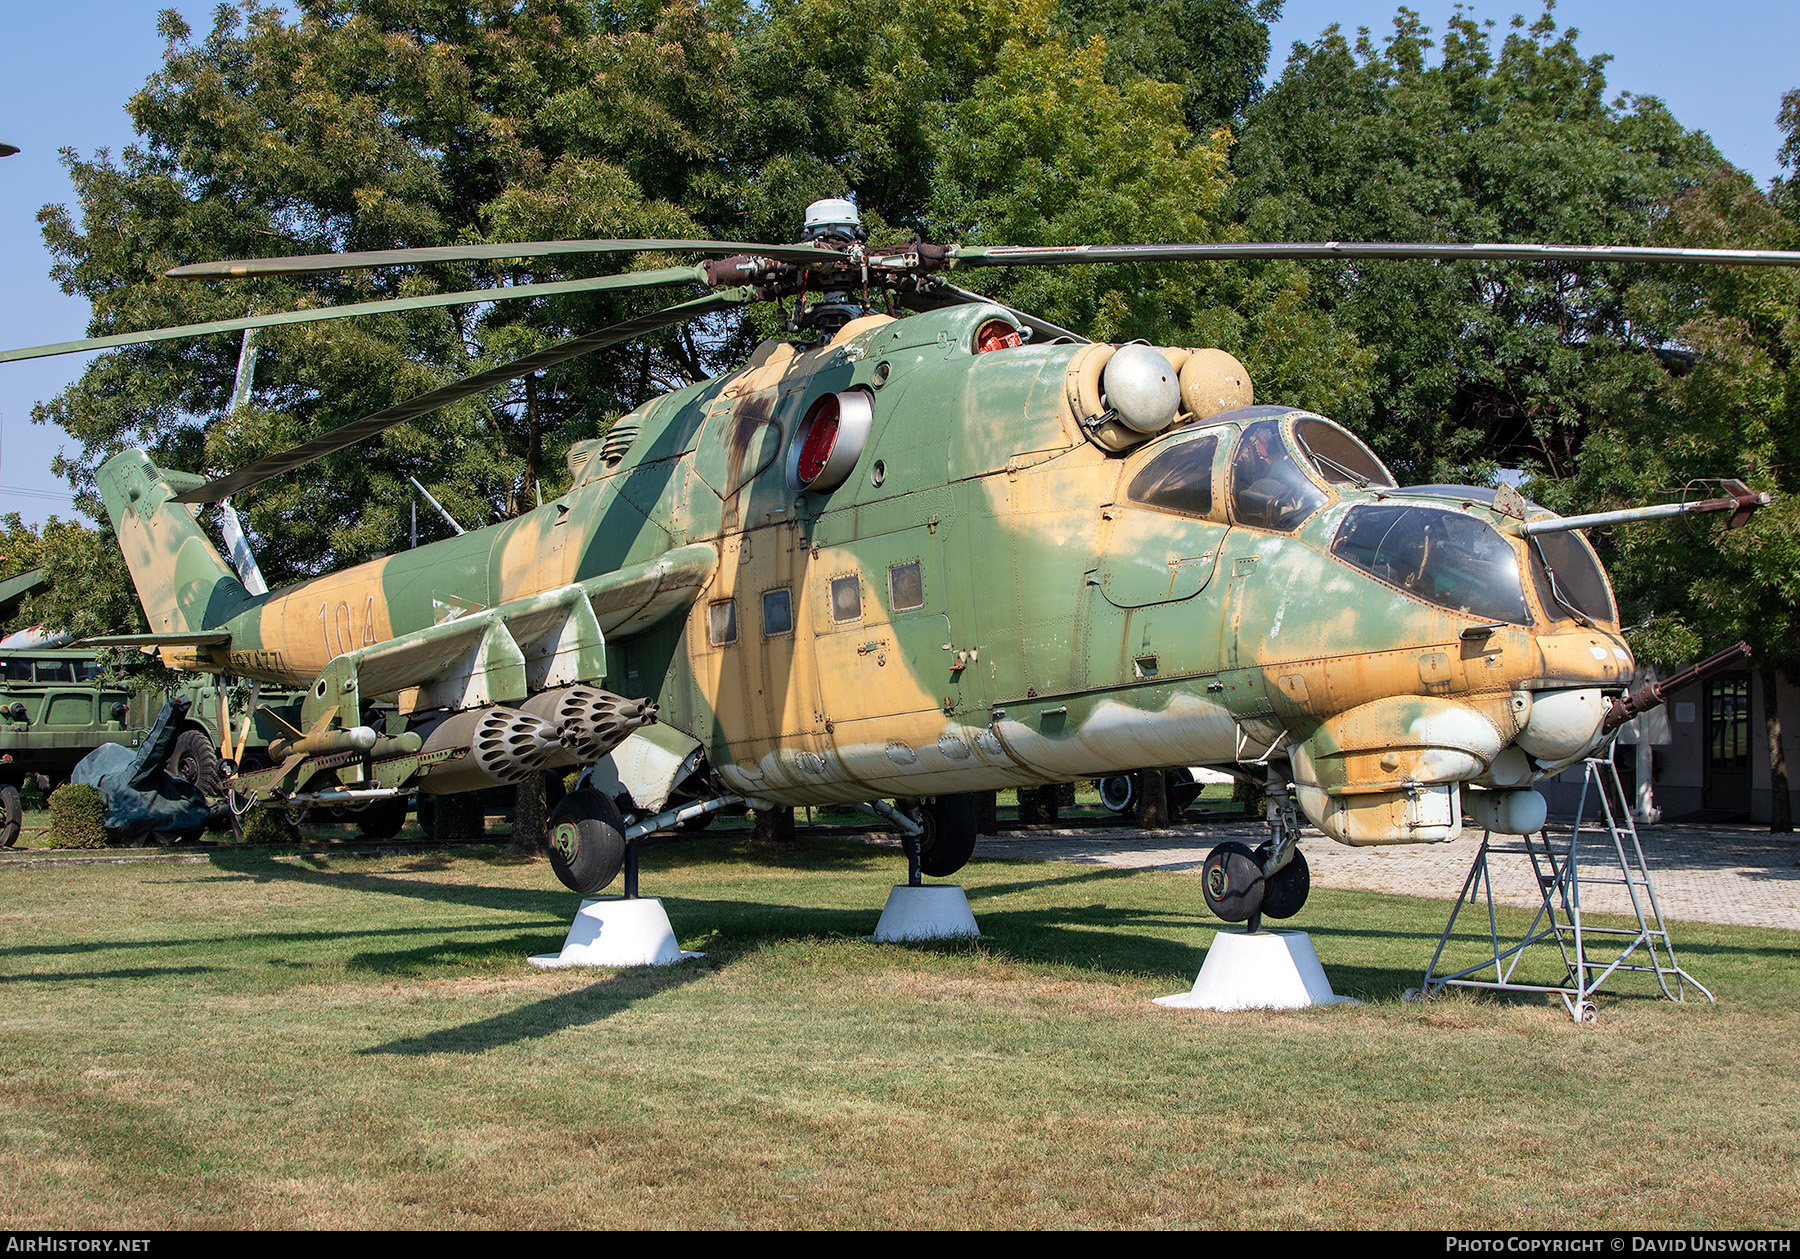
(11, 815)
(195, 760)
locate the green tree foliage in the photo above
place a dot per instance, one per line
(365, 125)
(1215, 50)
(360, 124)
(1729, 405)
(88, 590)
(1476, 364)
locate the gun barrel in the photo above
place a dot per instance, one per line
(1653, 694)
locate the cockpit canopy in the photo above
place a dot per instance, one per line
(1443, 557)
(1565, 573)
(1277, 474)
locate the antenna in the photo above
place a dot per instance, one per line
(451, 520)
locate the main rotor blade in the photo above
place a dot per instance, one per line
(357, 430)
(950, 295)
(1069, 255)
(630, 280)
(467, 253)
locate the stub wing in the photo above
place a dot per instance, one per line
(503, 654)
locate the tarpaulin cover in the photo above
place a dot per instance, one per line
(141, 796)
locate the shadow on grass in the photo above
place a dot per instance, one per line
(269, 937)
(90, 976)
(822, 853)
(429, 959)
(590, 1005)
(473, 895)
(1122, 940)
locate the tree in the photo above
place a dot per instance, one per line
(359, 124)
(87, 591)
(1216, 51)
(1729, 404)
(1477, 365)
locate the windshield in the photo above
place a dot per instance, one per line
(1178, 479)
(1268, 489)
(1569, 579)
(1444, 557)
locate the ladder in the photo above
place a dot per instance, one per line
(1586, 949)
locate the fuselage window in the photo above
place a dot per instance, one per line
(722, 622)
(778, 612)
(1268, 489)
(906, 586)
(1179, 479)
(1339, 457)
(846, 598)
(1443, 557)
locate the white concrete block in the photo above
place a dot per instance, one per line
(613, 931)
(1268, 970)
(936, 911)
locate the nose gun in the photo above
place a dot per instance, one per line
(1653, 694)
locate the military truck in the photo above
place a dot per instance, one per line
(54, 711)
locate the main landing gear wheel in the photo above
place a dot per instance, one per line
(587, 841)
(1232, 880)
(1284, 892)
(1117, 793)
(12, 814)
(948, 840)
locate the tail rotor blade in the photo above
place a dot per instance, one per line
(358, 430)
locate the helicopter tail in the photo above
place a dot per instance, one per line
(182, 581)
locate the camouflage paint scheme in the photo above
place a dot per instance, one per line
(1064, 631)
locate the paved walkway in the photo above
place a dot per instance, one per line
(1700, 873)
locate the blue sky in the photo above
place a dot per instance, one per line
(66, 70)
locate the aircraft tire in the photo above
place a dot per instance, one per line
(587, 841)
(12, 815)
(1232, 881)
(1117, 792)
(1285, 891)
(949, 838)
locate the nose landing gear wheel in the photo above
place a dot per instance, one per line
(587, 841)
(1232, 880)
(1285, 891)
(1117, 793)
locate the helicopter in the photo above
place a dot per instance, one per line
(926, 545)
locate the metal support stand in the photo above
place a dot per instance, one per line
(1557, 869)
(631, 872)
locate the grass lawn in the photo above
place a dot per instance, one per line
(254, 1041)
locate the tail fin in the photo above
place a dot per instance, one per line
(182, 581)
